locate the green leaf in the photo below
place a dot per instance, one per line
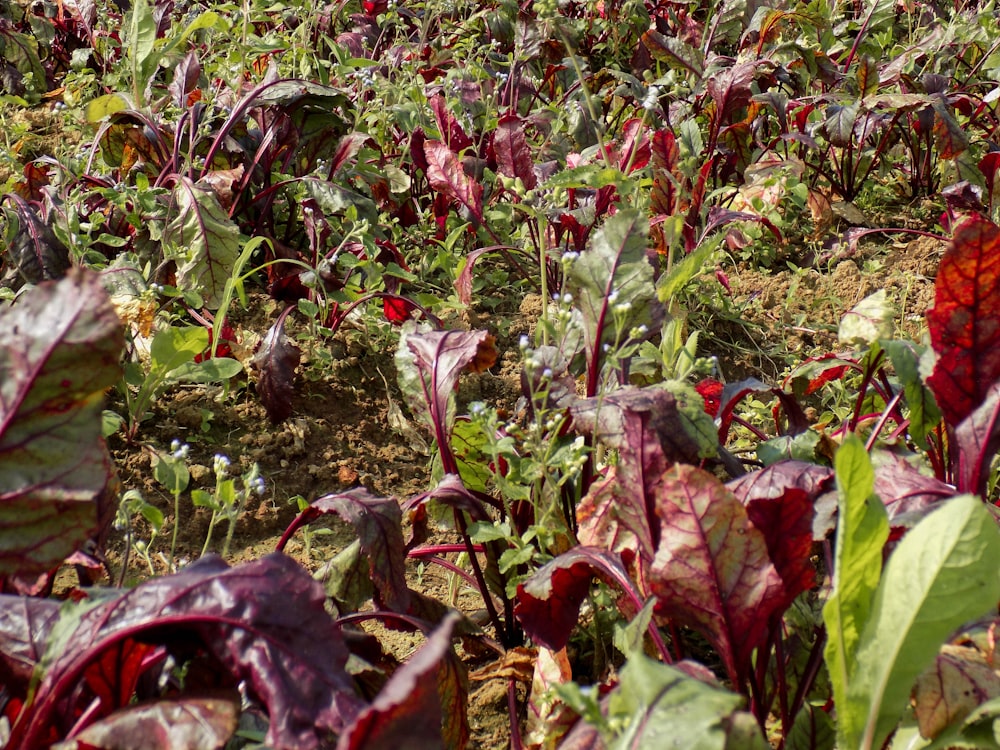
(210, 371)
(612, 274)
(140, 41)
(104, 106)
(171, 472)
(945, 572)
(812, 730)
(979, 731)
(868, 321)
(175, 346)
(660, 706)
(203, 240)
(862, 530)
(924, 413)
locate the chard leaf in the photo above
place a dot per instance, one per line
(548, 603)
(943, 573)
(786, 523)
(32, 246)
(862, 530)
(202, 239)
(60, 346)
(276, 360)
(712, 571)
(773, 481)
(187, 724)
(612, 286)
(264, 623)
(964, 323)
(661, 706)
(421, 706)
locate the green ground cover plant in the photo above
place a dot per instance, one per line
(657, 555)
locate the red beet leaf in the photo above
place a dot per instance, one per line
(511, 149)
(263, 623)
(964, 323)
(712, 570)
(548, 603)
(977, 440)
(447, 176)
(421, 706)
(276, 360)
(60, 345)
(377, 523)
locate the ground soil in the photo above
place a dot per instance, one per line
(346, 428)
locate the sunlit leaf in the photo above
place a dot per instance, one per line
(964, 323)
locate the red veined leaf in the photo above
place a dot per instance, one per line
(964, 323)
(989, 166)
(548, 603)
(652, 428)
(949, 137)
(185, 80)
(375, 7)
(276, 361)
(263, 623)
(421, 706)
(774, 481)
(114, 674)
(665, 153)
(712, 571)
(960, 680)
(635, 150)
(451, 132)
(447, 176)
(512, 152)
(787, 525)
(60, 345)
(730, 89)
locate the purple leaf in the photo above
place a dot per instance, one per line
(548, 603)
(907, 494)
(451, 132)
(60, 346)
(377, 523)
(347, 148)
(186, 724)
(447, 176)
(977, 439)
(264, 623)
(712, 570)
(511, 148)
(429, 366)
(185, 80)
(276, 360)
(421, 706)
(34, 248)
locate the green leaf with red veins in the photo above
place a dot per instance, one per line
(947, 692)
(611, 283)
(60, 346)
(203, 241)
(964, 323)
(712, 571)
